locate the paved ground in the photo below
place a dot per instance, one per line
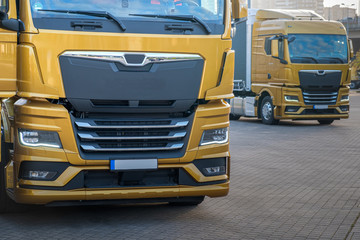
(298, 180)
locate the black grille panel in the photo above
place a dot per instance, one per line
(134, 138)
(320, 87)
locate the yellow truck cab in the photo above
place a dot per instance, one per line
(114, 101)
(291, 64)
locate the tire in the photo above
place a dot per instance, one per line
(352, 85)
(6, 203)
(325, 121)
(267, 112)
(191, 201)
(234, 116)
(357, 85)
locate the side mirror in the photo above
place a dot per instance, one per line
(13, 25)
(3, 16)
(351, 49)
(275, 48)
(291, 39)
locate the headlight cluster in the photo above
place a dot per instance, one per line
(291, 98)
(35, 138)
(215, 136)
(345, 98)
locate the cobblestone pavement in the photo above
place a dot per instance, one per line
(298, 180)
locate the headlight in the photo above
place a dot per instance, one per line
(291, 98)
(35, 138)
(215, 136)
(345, 98)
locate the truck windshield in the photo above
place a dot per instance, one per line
(318, 49)
(199, 16)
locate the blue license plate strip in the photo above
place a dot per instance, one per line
(133, 164)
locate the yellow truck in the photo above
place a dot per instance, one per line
(115, 101)
(291, 64)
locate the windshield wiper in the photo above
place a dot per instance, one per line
(336, 58)
(314, 59)
(191, 18)
(103, 14)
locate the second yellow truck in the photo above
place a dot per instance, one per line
(291, 64)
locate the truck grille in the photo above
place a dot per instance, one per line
(323, 98)
(131, 135)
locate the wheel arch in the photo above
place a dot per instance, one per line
(263, 93)
(7, 118)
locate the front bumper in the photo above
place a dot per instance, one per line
(300, 111)
(71, 185)
(31, 196)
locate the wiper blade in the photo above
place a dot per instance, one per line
(191, 18)
(336, 58)
(103, 14)
(314, 59)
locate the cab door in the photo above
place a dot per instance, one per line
(8, 44)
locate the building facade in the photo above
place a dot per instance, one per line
(316, 5)
(339, 13)
(270, 4)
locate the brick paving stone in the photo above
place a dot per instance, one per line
(297, 180)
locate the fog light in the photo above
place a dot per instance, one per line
(291, 98)
(292, 109)
(215, 136)
(212, 166)
(40, 175)
(35, 138)
(345, 98)
(344, 108)
(219, 170)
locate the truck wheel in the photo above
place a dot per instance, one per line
(188, 201)
(325, 121)
(352, 85)
(357, 85)
(6, 203)
(267, 111)
(234, 116)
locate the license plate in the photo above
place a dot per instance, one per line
(321, 106)
(133, 164)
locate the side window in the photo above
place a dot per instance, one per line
(267, 46)
(3, 5)
(281, 49)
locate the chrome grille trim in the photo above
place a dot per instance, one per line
(320, 98)
(172, 135)
(121, 58)
(92, 148)
(131, 135)
(320, 72)
(174, 124)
